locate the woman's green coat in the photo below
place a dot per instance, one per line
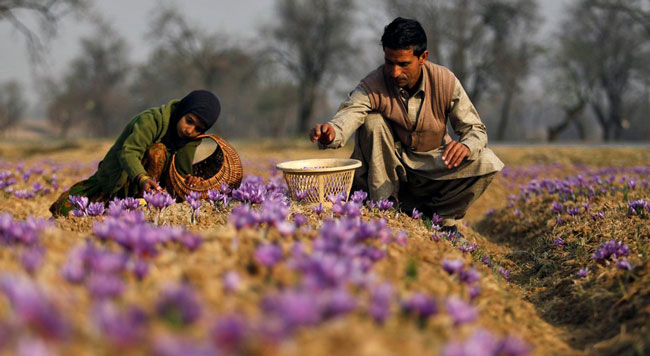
(124, 160)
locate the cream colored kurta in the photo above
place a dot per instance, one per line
(463, 118)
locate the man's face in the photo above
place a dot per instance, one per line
(189, 127)
(403, 67)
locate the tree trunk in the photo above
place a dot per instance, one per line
(306, 98)
(505, 115)
(571, 115)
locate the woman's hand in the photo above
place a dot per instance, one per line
(192, 180)
(148, 184)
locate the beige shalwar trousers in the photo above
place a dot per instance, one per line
(384, 174)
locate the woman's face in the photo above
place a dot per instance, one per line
(189, 127)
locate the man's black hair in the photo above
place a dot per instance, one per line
(405, 34)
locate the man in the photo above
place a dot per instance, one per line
(399, 113)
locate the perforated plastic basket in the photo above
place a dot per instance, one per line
(313, 180)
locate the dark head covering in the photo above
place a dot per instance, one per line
(202, 103)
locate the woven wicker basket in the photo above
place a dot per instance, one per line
(223, 165)
(313, 180)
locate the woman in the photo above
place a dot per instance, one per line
(141, 155)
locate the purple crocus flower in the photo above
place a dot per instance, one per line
(32, 258)
(229, 333)
(402, 237)
(415, 214)
(557, 208)
(459, 311)
(231, 281)
(32, 307)
(380, 300)
(436, 219)
(637, 207)
(337, 302)
(359, 196)
(213, 196)
(486, 260)
(474, 291)
(225, 188)
(421, 305)
(95, 209)
(195, 205)
(293, 308)
(513, 346)
(468, 248)
(318, 209)
(158, 200)
(285, 228)
(77, 213)
(79, 202)
(611, 248)
(302, 194)
(624, 264)
(178, 305)
(337, 198)
(115, 207)
(480, 343)
(597, 216)
(582, 272)
(469, 276)
(573, 211)
(244, 217)
(130, 203)
(559, 242)
(505, 273)
(268, 254)
(139, 268)
(452, 266)
(105, 286)
(250, 191)
(384, 204)
(299, 220)
(122, 327)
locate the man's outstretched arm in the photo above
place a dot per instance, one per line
(349, 117)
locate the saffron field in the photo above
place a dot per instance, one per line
(552, 261)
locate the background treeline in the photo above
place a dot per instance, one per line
(588, 79)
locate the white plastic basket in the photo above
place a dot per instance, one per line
(313, 180)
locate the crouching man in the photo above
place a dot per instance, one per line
(399, 115)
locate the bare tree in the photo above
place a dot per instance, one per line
(312, 41)
(605, 55)
(512, 23)
(96, 82)
(12, 104)
(48, 12)
(634, 10)
(186, 58)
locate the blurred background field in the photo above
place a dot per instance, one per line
(537, 71)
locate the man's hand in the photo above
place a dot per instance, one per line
(454, 154)
(192, 180)
(323, 133)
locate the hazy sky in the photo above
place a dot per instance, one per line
(240, 19)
